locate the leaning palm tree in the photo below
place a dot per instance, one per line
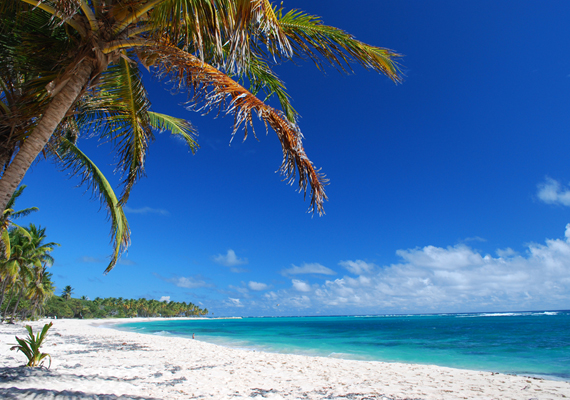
(82, 74)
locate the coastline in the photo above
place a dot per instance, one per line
(91, 359)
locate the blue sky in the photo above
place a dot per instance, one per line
(448, 193)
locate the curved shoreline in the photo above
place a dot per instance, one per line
(219, 336)
(115, 363)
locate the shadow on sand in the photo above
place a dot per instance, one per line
(13, 376)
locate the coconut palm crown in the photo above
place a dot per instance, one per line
(73, 66)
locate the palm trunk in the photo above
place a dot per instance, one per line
(16, 305)
(8, 304)
(3, 292)
(42, 133)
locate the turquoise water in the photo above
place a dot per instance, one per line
(531, 343)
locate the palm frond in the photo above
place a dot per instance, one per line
(262, 78)
(62, 11)
(326, 43)
(269, 26)
(128, 120)
(23, 213)
(5, 238)
(75, 160)
(254, 21)
(17, 193)
(89, 14)
(176, 126)
(217, 90)
(24, 77)
(204, 25)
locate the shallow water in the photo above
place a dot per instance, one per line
(531, 343)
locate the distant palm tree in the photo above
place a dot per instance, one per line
(67, 292)
(41, 289)
(72, 66)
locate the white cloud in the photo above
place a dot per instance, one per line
(300, 302)
(257, 286)
(165, 298)
(301, 286)
(357, 267)
(552, 192)
(474, 239)
(308, 268)
(452, 279)
(231, 260)
(234, 302)
(187, 282)
(89, 260)
(506, 253)
(271, 295)
(145, 210)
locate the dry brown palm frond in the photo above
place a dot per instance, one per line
(217, 90)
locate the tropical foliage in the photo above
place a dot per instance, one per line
(31, 346)
(111, 307)
(67, 292)
(71, 67)
(7, 221)
(24, 280)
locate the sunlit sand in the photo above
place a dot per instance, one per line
(91, 360)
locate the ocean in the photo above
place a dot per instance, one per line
(524, 343)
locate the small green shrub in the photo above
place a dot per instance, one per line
(31, 346)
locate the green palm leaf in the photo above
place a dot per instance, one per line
(128, 121)
(75, 160)
(6, 242)
(176, 126)
(261, 77)
(321, 42)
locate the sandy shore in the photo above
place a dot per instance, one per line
(93, 361)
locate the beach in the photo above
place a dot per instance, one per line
(90, 360)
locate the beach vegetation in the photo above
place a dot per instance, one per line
(67, 292)
(73, 68)
(111, 307)
(7, 221)
(25, 282)
(56, 307)
(30, 346)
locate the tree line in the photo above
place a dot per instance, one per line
(65, 306)
(28, 292)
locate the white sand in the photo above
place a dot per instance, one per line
(92, 362)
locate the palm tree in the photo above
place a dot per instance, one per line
(6, 220)
(41, 290)
(15, 271)
(38, 257)
(80, 72)
(20, 103)
(24, 269)
(67, 292)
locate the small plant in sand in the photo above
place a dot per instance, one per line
(31, 346)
